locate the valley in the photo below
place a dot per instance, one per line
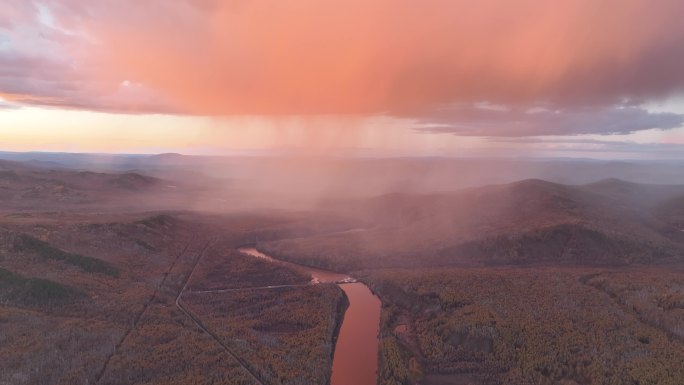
(526, 282)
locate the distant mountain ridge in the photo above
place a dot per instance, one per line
(27, 185)
(530, 221)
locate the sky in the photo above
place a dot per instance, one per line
(575, 78)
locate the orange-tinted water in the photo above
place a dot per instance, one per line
(317, 275)
(356, 351)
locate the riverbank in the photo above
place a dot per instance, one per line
(356, 346)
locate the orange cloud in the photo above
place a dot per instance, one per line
(400, 57)
(397, 56)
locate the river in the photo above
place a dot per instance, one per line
(356, 351)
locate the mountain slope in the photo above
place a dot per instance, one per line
(531, 221)
(24, 184)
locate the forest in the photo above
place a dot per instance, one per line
(553, 284)
(158, 298)
(530, 326)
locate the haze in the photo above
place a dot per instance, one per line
(359, 192)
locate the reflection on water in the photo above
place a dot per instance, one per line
(356, 352)
(355, 360)
(317, 275)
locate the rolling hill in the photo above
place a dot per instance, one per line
(26, 185)
(526, 222)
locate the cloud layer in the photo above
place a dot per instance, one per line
(484, 120)
(404, 58)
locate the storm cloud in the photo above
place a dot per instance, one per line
(586, 61)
